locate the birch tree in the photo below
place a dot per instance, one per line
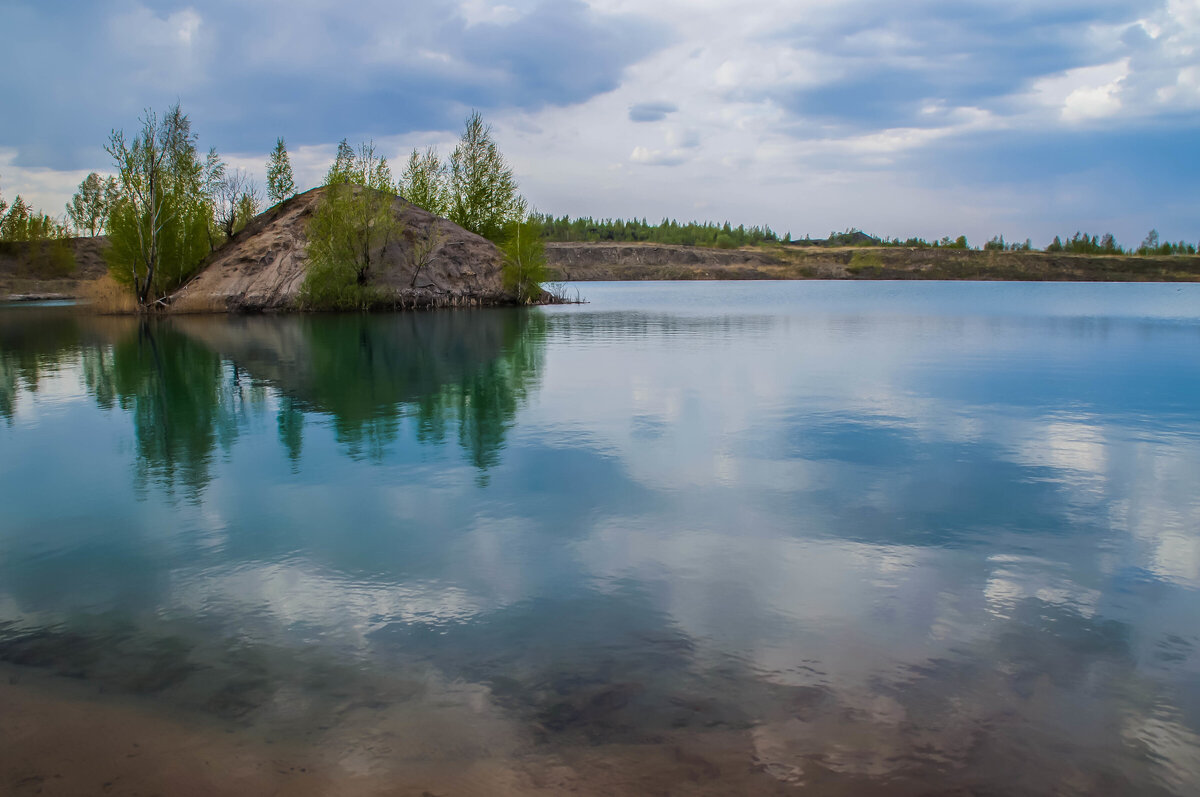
(88, 209)
(159, 223)
(424, 182)
(483, 191)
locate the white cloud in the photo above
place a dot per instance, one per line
(1087, 93)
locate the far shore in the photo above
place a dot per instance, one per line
(619, 262)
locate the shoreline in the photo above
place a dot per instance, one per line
(61, 737)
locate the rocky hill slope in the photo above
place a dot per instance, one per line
(263, 267)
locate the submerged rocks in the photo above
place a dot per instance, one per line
(433, 263)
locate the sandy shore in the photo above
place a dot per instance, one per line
(61, 738)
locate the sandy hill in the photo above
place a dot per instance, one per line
(263, 267)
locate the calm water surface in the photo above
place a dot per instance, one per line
(838, 538)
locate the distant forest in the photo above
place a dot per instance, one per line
(668, 231)
(725, 236)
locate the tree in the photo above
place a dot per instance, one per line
(349, 229)
(483, 192)
(424, 182)
(23, 223)
(235, 201)
(15, 224)
(281, 183)
(249, 205)
(88, 209)
(159, 224)
(524, 260)
(3, 206)
(343, 165)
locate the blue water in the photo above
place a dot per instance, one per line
(864, 537)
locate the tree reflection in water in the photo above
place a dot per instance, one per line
(189, 385)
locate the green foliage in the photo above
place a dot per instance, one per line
(851, 237)
(88, 208)
(349, 229)
(1152, 246)
(524, 261)
(342, 166)
(160, 221)
(248, 206)
(46, 253)
(1083, 244)
(725, 241)
(360, 168)
(23, 223)
(998, 244)
(330, 285)
(483, 191)
(669, 231)
(424, 182)
(281, 183)
(864, 260)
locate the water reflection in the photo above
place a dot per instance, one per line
(468, 371)
(190, 385)
(761, 547)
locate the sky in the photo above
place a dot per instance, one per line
(921, 118)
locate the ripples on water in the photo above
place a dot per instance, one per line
(852, 538)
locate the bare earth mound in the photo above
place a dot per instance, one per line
(264, 265)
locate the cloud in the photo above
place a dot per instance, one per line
(249, 72)
(683, 138)
(657, 157)
(651, 111)
(1021, 117)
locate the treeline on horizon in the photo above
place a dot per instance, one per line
(668, 231)
(585, 229)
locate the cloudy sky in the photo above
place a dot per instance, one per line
(926, 117)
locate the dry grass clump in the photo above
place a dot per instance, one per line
(188, 302)
(106, 295)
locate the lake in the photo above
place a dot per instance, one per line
(831, 538)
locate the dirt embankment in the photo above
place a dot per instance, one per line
(263, 267)
(37, 270)
(608, 261)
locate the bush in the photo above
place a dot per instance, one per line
(524, 261)
(331, 285)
